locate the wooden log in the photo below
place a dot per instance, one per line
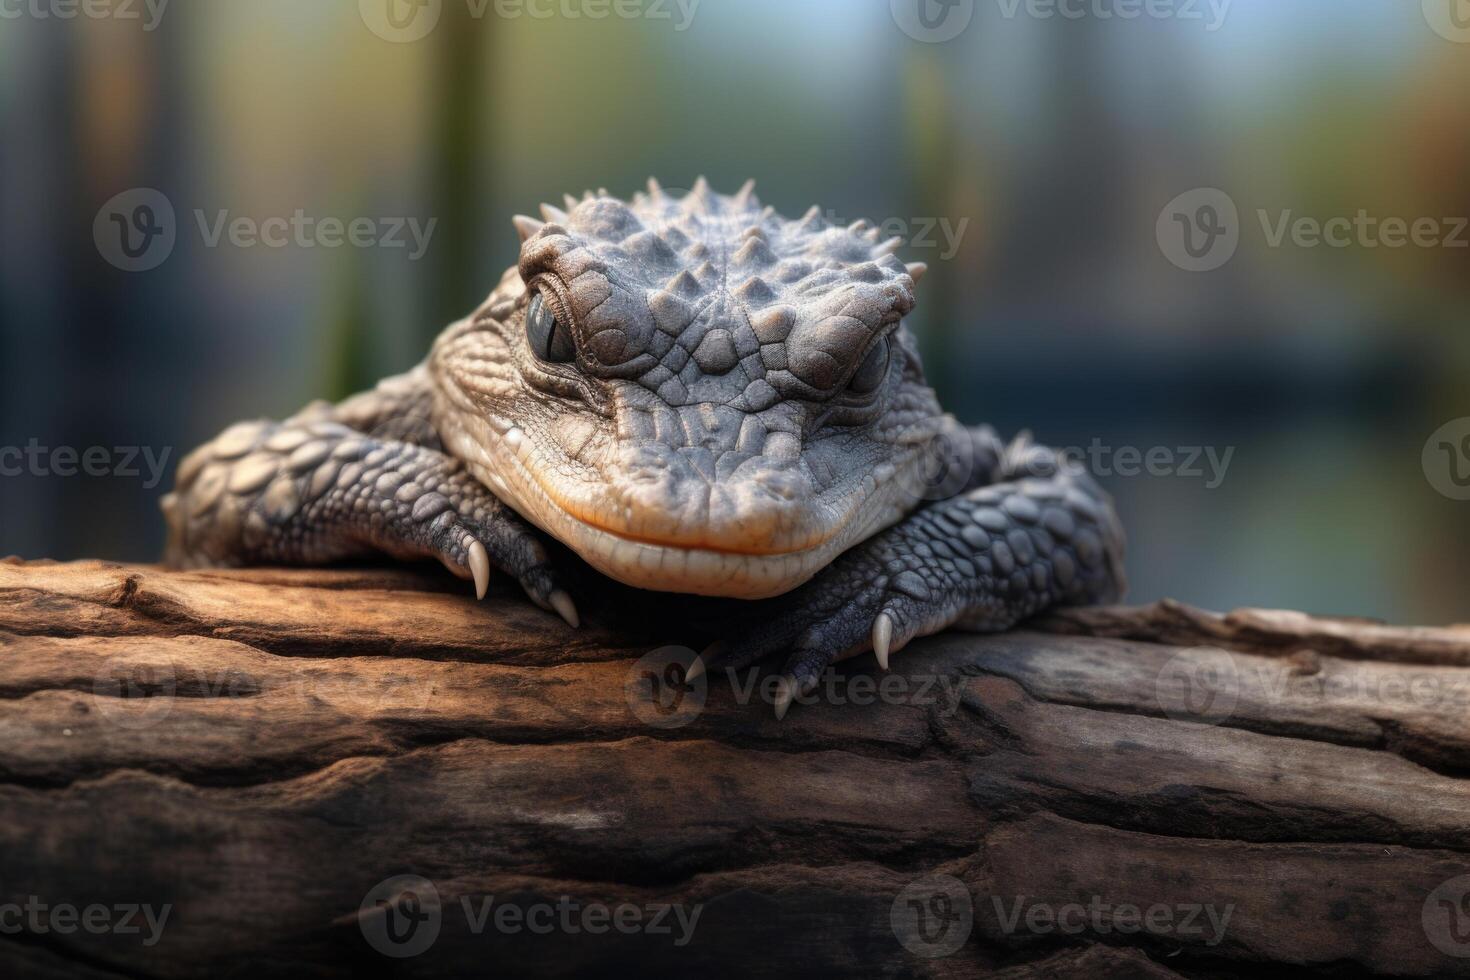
(339, 771)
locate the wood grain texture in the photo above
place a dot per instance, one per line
(1121, 792)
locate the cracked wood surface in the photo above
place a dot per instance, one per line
(1122, 792)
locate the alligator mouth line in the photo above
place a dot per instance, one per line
(754, 551)
(691, 543)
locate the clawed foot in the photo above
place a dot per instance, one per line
(471, 547)
(986, 560)
(310, 492)
(866, 601)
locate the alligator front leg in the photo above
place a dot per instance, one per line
(1044, 535)
(312, 490)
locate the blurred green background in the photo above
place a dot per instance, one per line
(1028, 159)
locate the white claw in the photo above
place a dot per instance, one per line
(785, 694)
(882, 638)
(701, 662)
(480, 567)
(916, 271)
(565, 608)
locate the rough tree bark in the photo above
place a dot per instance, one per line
(1150, 791)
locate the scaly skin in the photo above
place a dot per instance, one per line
(694, 395)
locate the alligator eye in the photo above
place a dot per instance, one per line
(549, 337)
(872, 371)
